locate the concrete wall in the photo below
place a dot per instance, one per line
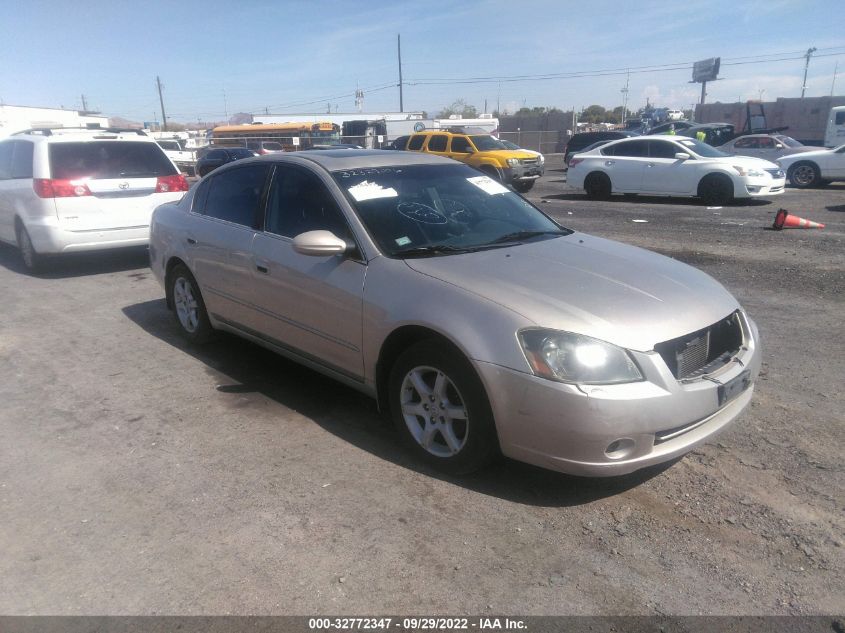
(806, 118)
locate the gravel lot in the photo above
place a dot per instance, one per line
(139, 475)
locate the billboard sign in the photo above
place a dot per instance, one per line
(706, 69)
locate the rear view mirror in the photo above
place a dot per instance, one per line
(318, 244)
(682, 156)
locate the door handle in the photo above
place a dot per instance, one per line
(191, 241)
(262, 266)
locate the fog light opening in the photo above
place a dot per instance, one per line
(619, 449)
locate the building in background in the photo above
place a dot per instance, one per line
(16, 118)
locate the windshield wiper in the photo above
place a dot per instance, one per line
(432, 249)
(524, 235)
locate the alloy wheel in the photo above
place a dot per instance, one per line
(434, 411)
(187, 308)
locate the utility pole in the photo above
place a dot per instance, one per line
(807, 57)
(703, 92)
(161, 101)
(225, 106)
(84, 104)
(833, 84)
(399, 51)
(624, 92)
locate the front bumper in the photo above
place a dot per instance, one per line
(522, 173)
(755, 187)
(612, 430)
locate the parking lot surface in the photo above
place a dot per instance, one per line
(141, 475)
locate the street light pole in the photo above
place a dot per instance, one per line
(807, 56)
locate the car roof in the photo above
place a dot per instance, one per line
(340, 159)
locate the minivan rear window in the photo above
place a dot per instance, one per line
(109, 159)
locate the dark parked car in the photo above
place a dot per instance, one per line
(220, 156)
(715, 134)
(398, 143)
(581, 141)
(664, 127)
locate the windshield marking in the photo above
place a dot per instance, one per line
(488, 185)
(367, 190)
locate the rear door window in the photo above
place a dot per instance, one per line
(437, 143)
(22, 160)
(416, 142)
(234, 195)
(109, 159)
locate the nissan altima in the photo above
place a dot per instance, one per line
(673, 166)
(480, 325)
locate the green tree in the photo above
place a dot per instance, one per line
(459, 107)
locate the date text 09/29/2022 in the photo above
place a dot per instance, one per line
(416, 624)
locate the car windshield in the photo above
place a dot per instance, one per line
(789, 141)
(509, 145)
(485, 142)
(702, 149)
(422, 210)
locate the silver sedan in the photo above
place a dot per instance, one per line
(480, 325)
(766, 146)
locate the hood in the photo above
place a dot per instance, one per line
(621, 294)
(812, 153)
(749, 161)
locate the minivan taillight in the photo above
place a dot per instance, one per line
(575, 161)
(52, 188)
(168, 184)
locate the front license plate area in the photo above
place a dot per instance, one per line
(734, 387)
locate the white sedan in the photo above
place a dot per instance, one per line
(812, 169)
(673, 166)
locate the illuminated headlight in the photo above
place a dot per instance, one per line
(575, 358)
(513, 162)
(752, 173)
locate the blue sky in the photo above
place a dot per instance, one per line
(297, 56)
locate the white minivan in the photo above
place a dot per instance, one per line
(80, 189)
(834, 134)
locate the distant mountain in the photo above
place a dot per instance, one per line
(116, 121)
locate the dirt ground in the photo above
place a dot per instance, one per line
(139, 475)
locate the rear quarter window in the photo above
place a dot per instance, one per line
(109, 159)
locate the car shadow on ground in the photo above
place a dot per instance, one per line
(78, 264)
(838, 207)
(640, 199)
(246, 369)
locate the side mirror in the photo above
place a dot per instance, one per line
(319, 244)
(682, 156)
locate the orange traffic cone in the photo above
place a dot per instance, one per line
(785, 221)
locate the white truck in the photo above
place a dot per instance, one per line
(185, 160)
(834, 134)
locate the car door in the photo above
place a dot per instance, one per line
(309, 304)
(664, 173)
(460, 149)
(745, 146)
(625, 162)
(227, 209)
(766, 148)
(834, 165)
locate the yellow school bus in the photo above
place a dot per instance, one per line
(266, 138)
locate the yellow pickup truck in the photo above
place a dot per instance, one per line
(519, 168)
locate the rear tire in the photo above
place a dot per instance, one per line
(440, 409)
(716, 189)
(804, 174)
(598, 187)
(188, 306)
(32, 261)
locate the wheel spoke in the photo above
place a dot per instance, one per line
(440, 384)
(419, 384)
(413, 408)
(452, 440)
(455, 413)
(428, 434)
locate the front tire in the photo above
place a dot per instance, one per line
(441, 410)
(523, 187)
(804, 175)
(188, 306)
(716, 190)
(30, 257)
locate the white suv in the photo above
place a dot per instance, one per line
(79, 189)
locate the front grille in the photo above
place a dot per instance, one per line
(529, 161)
(775, 173)
(704, 351)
